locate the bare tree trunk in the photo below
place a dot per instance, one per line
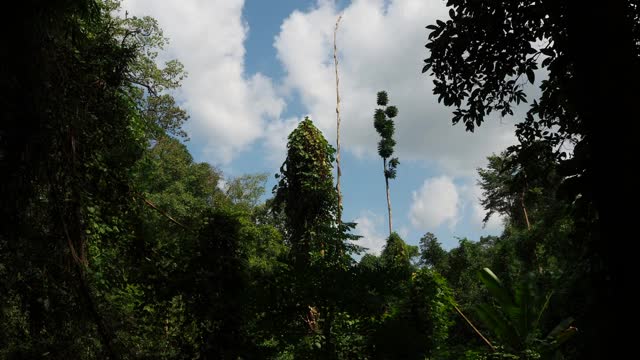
(486, 341)
(526, 219)
(335, 59)
(386, 180)
(524, 211)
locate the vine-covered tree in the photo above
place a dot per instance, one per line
(307, 174)
(383, 123)
(320, 251)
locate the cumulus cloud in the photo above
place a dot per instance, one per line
(381, 47)
(368, 227)
(435, 203)
(229, 109)
(276, 137)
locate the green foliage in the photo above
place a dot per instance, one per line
(320, 243)
(383, 123)
(69, 136)
(350, 337)
(395, 254)
(115, 244)
(148, 84)
(481, 58)
(431, 252)
(307, 174)
(391, 112)
(431, 305)
(513, 182)
(218, 288)
(515, 317)
(383, 98)
(245, 191)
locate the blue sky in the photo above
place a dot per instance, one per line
(258, 67)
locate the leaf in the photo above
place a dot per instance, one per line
(530, 75)
(496, 288)
(548, 52)
(493, 320)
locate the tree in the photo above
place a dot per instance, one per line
(245, 190)
(305, 192)
(339, 170)
(520, 185)
(73, 131)
(147, 82)
(431, 252)
(320, 251)
(478, 58)
(68, 138)
(383, 123)
(395, 253)
(396, 269)
(431, 303)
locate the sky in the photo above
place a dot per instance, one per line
(256, 68)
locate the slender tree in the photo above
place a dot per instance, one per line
(335, 59)
(383, 123)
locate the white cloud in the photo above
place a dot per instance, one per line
(381, 47)
(435, 203)
(403, 231)
(229, 109)
(369, 228)
(276, 137)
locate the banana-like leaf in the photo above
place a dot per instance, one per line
(496, 288)
(515, 316)
(498, 324)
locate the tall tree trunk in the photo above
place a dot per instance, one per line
(524, 211)
(536, 258)
(386, 180)
(335, 59)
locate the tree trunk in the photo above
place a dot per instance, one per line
(526, 219)
(386, 180)
(524, 211)
(335, 59)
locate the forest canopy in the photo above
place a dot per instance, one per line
(116, 244)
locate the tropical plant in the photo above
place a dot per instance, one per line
(514, 317)
(383, 123)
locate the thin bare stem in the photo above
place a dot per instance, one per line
(335, 59)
